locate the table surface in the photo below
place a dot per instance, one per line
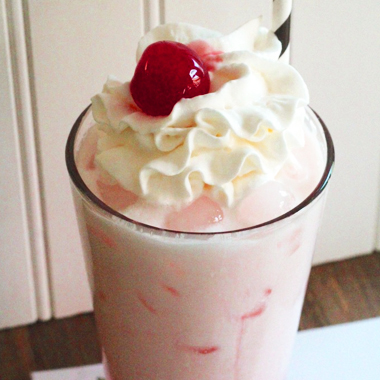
(339, 292)
(323, 353)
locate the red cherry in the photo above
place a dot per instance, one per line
(167, 72)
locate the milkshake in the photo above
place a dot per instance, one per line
(199, 212)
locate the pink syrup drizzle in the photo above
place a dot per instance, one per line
(255, 312)
(174, 292)
(102, 236)
(201, 350)
(146, 304)
(292, 244)
(210, 57)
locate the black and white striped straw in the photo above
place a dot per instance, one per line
(281, 14)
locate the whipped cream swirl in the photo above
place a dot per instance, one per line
(224, 143)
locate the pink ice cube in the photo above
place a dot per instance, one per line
(86, 155)
(200, 214)
(265, 203)
(115, 196)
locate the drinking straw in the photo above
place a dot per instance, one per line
(281, 13)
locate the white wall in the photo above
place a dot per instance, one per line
(17, 301)
(336, 47)
(73, 45)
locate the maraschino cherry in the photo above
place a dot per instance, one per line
(167, 72)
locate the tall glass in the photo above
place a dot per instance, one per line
(197, 306)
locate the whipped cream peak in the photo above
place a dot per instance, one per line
(222, 144)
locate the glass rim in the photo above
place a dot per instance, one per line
(87, 193)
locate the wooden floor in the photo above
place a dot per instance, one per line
(339, 292)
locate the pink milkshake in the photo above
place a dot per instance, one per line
(199, 219)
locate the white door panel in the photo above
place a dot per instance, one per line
(224, 16)
(75, 46)
(17, 292)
